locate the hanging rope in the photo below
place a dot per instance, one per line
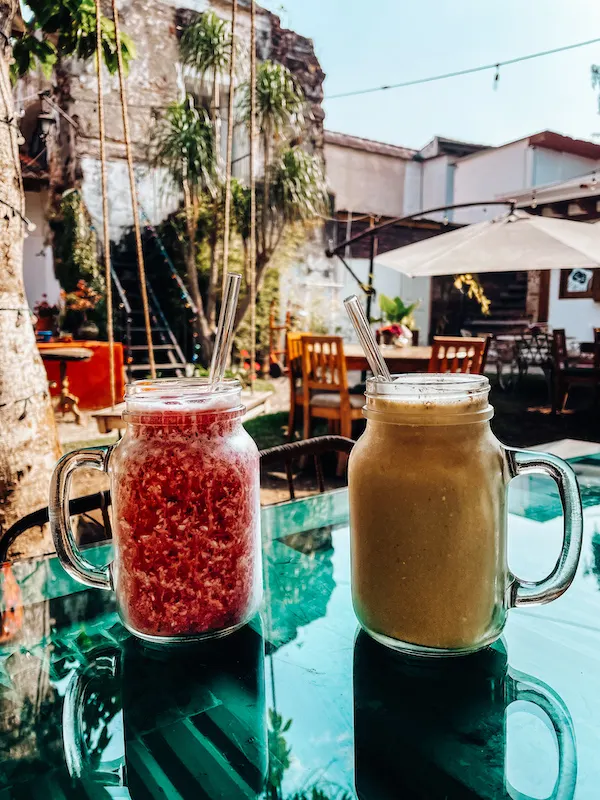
(252, 194)
(134, 202)
(230, 111)
(105, 220)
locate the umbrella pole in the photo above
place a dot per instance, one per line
(371, 278)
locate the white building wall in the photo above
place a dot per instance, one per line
(158, 195)
(413, 184)
(38, 269)
(550, 166)
(366, 182)
(435, 178)
(488, 175)
(578, 317)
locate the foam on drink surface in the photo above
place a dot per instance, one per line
(429, 395)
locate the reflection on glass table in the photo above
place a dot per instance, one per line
(296, 706)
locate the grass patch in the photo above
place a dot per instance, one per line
(268, 430)
(68, 447)
(260, 385)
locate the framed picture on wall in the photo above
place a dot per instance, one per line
(579, 283)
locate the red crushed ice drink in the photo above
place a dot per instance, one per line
(186, 512)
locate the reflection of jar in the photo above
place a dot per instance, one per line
(194, 721)
(437, 729)
(186, 512)
(185, 490)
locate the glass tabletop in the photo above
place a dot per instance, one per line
(299, 705)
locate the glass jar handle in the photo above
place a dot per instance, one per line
(552, 710)
(68, 552)
(527, 462)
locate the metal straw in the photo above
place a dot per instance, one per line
(367, 340)
(224, 335)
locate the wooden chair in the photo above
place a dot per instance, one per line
(566, 375)
(325, 385)
(293, 357)
(459, 354)
(277, 333)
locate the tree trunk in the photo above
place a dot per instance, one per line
(28, 438)
(244, 302)
(213, 275)
(205, 339)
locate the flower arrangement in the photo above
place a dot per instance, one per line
(400, 319)
(243, 371)
(394, 310)
(46, 315)
(83, 298)
(76, 305)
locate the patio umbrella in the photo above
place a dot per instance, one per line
(515, 241)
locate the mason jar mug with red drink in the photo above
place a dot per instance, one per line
(185, 512)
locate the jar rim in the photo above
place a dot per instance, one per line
(421, 387)
(428, 399)
(180, 393)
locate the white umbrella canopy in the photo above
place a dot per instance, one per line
(516, 241)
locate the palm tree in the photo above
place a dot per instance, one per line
(206, 46)
(297, 195)
(28, 440)
(279, 112)
(184, 144)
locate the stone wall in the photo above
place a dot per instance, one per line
(155, 81)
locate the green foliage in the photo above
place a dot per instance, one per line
(74, 243)
(279, 752)
(75, 260)
(469, 284)
(395, 310)
(298, 193)
(240, 207)
(298, 186)
(268, 293)
(28, 51)
(279, 100)
(184, 144)
(65, 28)
(206, 44)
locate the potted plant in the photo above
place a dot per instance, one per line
(399, 318)
(76, 306)
(46, 316)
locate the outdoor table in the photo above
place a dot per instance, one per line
(297, 695)
(90, 380)
(67, 401)
(398, 359)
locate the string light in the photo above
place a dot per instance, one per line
(16, 213)
(496, 65)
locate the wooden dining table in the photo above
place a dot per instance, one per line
(398, 359)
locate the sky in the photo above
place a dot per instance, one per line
(364, 44)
